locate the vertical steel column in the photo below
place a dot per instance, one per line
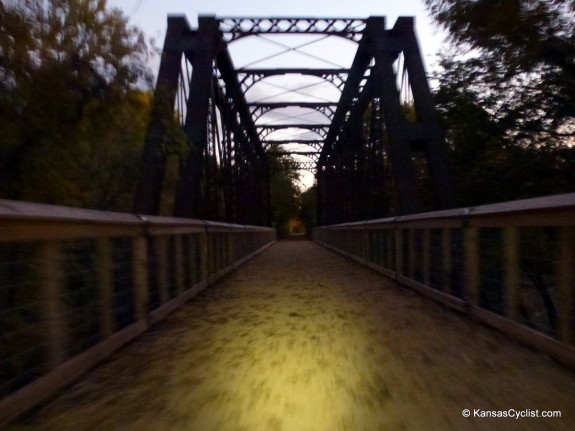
(149, 188)
(438, 157)
(385, 50)
(189, 192)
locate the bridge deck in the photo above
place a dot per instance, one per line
(302, 339)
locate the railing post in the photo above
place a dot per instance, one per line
(105, 286)
(398, 234)
(446, 259)
(230, 248)
(54, 308)
(471, 250)
(192, 266)
(390, 257)
(512, 271)
(204, 255)
(411, 253)
(179, 263)
(161, 249)
(426, 256)
(566, 278)
(140, 277)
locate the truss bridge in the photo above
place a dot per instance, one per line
(348, 99)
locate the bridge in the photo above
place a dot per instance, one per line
(402, 312)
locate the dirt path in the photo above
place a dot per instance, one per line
(302, 339)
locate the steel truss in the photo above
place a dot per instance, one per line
(368, 156)
(379, 145)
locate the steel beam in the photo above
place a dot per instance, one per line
(250, 77)
(188, 194)
(350, 90)
(386, 89)
(276, 105)
(438, 156)
(316, 143)
(235, 28)
(287, 70)
(148, 193)
(310, 126)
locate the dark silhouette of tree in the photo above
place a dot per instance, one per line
(507, 96)
(284, 190)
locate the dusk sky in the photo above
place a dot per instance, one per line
(150, 15)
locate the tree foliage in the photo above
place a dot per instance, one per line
(308, 209)
(507, 95)
(284, 190)
(73, 103)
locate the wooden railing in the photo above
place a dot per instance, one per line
(75, 285)
(509, 265)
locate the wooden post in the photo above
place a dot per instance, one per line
(161, 249)
(471, 250)
(368, 245)
(179, 263)
(390, 257)
(512, 271)
(193, 264)
(230, 247)
(398, 234)
(565, 282)
(204, 255)
(426, 256)
(411, 252)
(53, 307)
(447, 260)
(140, 277)
(105, 286)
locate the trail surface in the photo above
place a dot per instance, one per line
(301, 339)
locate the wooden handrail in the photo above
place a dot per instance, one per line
(164, 261)
(510, 257)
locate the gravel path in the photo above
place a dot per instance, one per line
(302, 339)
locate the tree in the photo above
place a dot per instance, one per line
(73, 103)
(507, 96)
(284, 192)
(308, 209)
(524, 51)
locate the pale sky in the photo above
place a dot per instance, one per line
(151, 15)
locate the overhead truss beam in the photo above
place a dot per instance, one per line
(235, 28)
(250, 77)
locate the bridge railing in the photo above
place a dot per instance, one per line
(75, 285)
(510, 265)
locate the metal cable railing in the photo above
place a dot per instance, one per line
(510, 265)
(75, 285)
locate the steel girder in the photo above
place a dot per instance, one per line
(250, 77)
(327, 109)
(316, 144)
(357, 160)
(223, 172)
(365, 167)
(235, 28)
